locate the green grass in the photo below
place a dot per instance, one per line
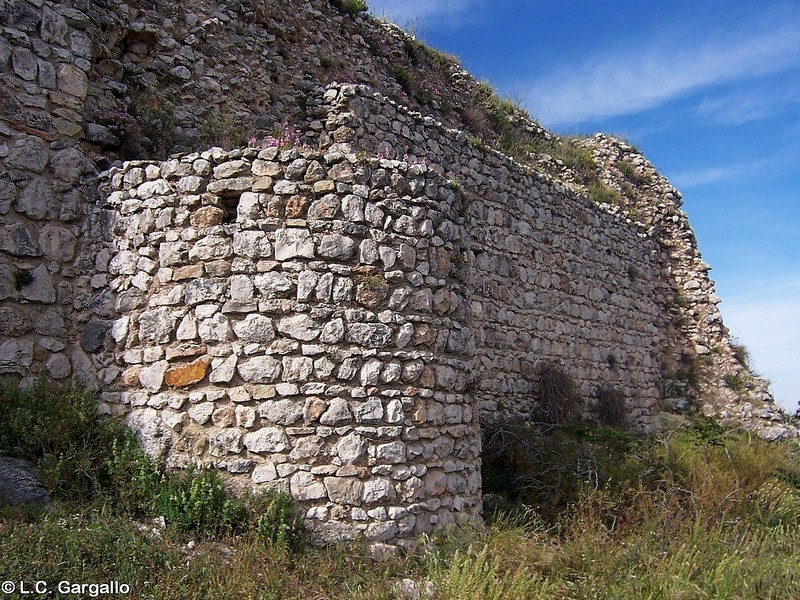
(702, 512)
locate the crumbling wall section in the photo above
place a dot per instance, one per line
(553, 278)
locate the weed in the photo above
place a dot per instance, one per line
(58, 431)
(632, 174)
(22, 278)
(611, 408)
(157, 123)
(225, 129)
(278, 521)
(403, 77)
(736, 381)
(326, 62)
(372, 282)
(198, 502)
(351, 7)
(742, 354)
(600, 194)
(560, 399)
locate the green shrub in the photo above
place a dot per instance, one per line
(277, 521)
(57, 429)
(600, 194)
(403, 77)
(198, 502)
(351, 7)
(133, 479)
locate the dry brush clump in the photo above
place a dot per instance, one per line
(560, 399)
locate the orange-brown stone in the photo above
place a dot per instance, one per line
(207, 216)
(189, 374)
(296, 207)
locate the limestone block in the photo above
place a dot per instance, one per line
(292, 243)
(267, 439)
(310, 449)
(242, 288)
(297, 368)
(391, 453)
(41, 288)
(245, 417)
(324, 287)
(16, 240)
(152, 376)
(304, 486)
(370, 411)
(369, 335)
(370, 371)
(252, 244)
(332, 332)
(378, 490)
(299, 327)
(210, 248)
(227, 440)
(336, 246)
(391, 373)
(394, 411)
(215, 329)
(187, 329)
(232, 168)
(37, 200)
(24, 63)
(281, 412)
(351, 449)
(273, 284)
(255, 328)
(324, 208)
(435, 481)
(259, 369)
(338, 413)
(201, 413)
(146, 424)
(222, 371)
(344, 490)
(264, 473)
(16, 356)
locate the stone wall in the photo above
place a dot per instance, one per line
(335, 322)
(552, 277)
(53, 311)
(279, 324)
(335, 316)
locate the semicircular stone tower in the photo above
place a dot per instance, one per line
(297, 318)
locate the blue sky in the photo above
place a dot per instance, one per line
(709, 91)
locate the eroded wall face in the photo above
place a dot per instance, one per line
(552, 278)
(284, 320)
(335, 323)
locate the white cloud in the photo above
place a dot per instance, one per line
(767, 321)
(746, 106)
(708, 176)
(405, 12)
(631, 79)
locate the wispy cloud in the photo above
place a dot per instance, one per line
(405, 12)
(744, 106)
(784, 160)
(630, 79)
(709, 176)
